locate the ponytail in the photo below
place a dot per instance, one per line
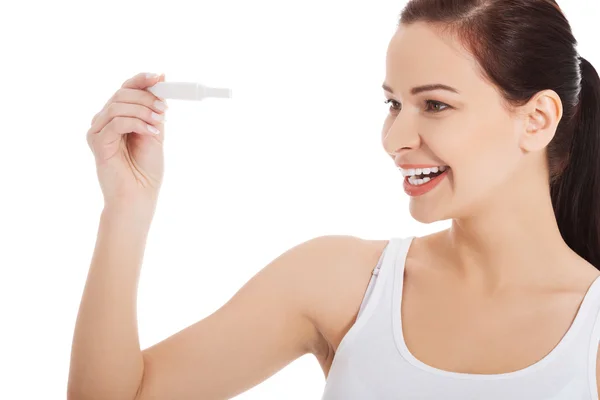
(576, 193)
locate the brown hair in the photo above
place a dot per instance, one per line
(524, 47)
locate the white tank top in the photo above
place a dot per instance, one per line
(373, 363)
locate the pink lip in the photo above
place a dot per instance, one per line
(412, 190)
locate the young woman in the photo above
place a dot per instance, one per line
(495, 122)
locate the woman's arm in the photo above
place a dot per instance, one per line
(106, 361)
(267, 324)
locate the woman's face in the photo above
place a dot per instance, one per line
(470, 131)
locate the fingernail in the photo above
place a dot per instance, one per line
(150, 75)
(158, 117)
(162, 106)
(153, 129)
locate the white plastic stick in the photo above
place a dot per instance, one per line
(187, 91)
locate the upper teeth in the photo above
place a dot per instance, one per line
(423, 171)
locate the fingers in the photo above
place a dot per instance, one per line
(133, 91)
(121, 105)
(114, 110)
(120, 126)
(136, 96)
(130, 109)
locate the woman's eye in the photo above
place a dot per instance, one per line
(436, 103)
(437, 106)
(395, 105)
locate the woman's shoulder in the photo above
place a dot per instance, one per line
(339, 284)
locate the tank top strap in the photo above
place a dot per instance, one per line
(394, 262)
(382, 275)
(390, 254)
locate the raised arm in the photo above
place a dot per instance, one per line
(267, 324)
(276, 317)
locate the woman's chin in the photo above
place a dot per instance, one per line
(424, 214)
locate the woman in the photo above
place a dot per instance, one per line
(495, 122)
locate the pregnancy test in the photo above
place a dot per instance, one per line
(187, 91)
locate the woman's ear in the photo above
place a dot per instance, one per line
(542, 115)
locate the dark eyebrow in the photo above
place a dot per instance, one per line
(424, 88)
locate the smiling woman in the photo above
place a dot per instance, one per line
(521, 141)
(494, 123)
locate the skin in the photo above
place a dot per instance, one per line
(501, 274)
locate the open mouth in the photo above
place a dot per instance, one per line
(421, 176)
(419, 181)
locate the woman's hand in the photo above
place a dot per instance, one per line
(126, 137)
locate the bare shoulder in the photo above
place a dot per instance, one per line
(339, 288)
(329, 277)
(302, 302)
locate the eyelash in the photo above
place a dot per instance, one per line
(426, 102)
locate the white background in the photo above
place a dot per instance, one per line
(295, 154)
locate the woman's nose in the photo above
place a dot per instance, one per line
(400, 135)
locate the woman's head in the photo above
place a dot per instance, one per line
(524, 123)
